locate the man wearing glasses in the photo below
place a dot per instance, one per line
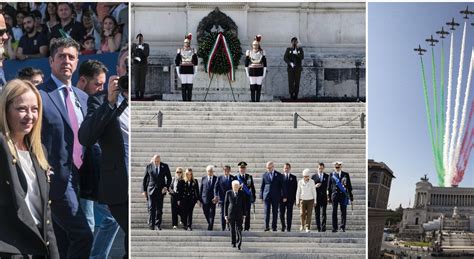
(340, 190)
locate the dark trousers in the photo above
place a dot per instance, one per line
(255, 92)
(286, 208)
(187, 92)
(335, 203)
(273, 205)
(70, 223)
(155, 208)
(210, 213)
(120, 213)
(294, 75)
(188, 207)
(247, 216)
(320, 221)
(223, 222)
(175, 210)
(140, 78)
(236, 231)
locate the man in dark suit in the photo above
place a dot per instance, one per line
(321, 180)
(293, 57)
(291, 185)
(340, 189)
(64, 110)
(107, 123)
(234, 211)
(206, 195)
(246, 180)
(272, 192)
(140, 54)
(224, 183)
(156, 182)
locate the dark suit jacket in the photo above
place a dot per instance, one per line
(234, 207)
(322, 191)
(18, 231)
(334, 190)
(188, 192)
(141, 53)
(248, 181)
(273, 190)
(289, 57)
(222, 186)
(291, 186)
(57, 135)
(206, 192)
(153, 182)
(102, 125)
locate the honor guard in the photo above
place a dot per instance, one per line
(256, 68)
(186, 67)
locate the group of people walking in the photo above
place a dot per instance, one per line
(236, 196)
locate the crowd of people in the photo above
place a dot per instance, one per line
(236, 195)
(63, 144)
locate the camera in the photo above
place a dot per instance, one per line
(123, 83)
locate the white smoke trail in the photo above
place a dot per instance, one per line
(457, 150)
(448, 108)
(451, 168)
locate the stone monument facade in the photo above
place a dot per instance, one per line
(331, 34)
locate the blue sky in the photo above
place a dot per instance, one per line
(397, 123)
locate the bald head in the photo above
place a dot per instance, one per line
(270, 166)
(4, 35)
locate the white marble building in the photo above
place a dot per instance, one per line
(432, 203)
(332, 35)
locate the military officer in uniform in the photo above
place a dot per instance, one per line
(255, 68)
(293, 57)
(140, 53)
(246, 180)
(186, 67)
(340, 189)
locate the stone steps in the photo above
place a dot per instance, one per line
(196, 134)
(256, 244)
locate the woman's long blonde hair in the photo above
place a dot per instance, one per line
(186, 178)
(13, 89)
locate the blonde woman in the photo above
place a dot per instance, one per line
(305, 198)
(25, 221)
(188, 193)
(173, 190)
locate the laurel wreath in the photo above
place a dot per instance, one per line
(220, 65)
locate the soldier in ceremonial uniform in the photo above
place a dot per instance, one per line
(340, 190)
(255, 68)
(293, 57)
(186, 67)
(140, 53)
(246, 180)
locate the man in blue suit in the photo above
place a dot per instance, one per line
(224, 183)
(321, 179)
(286, 208)
(271, 192)
(64, 110)
(206, 195)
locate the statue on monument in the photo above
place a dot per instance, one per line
(186, 67)
(255, 68)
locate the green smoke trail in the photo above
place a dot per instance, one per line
(435, 107)
(430, 125)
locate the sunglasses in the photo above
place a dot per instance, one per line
(3, 31)
(337, 167)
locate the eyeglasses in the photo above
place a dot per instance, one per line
(337, 167)
(3, 31)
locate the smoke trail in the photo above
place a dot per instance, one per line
(438, 158)
(464, 111)
(441, 107)
(430, 125)
(451, 168)
(466, 148)
(448, 106)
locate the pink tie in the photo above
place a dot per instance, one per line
(77, 148)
